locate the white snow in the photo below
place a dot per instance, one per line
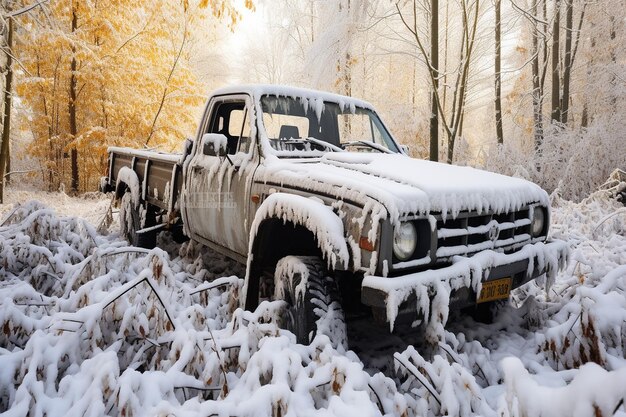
(129, 177)
(219, 141)
(314, 97)
(416, 186)
(147, 154)
(177, 344)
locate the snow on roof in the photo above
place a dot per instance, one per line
(259, 90)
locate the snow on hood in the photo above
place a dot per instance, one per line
(406, 185)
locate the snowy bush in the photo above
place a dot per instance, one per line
(571, 162)
(93, 327)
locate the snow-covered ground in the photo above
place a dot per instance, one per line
(90, 326)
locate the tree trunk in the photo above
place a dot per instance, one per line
(613, 95)
(434, 68)
(498, 76)
(445, 55)
(537, 90)
(72, 110)
(556, 79)
(7, 177)
(6, 121)
(567, 64)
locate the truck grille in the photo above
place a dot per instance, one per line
(470, 232)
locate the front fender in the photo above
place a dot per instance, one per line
(325, 229)
(312, 214)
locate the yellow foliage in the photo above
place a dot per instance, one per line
(134, 83)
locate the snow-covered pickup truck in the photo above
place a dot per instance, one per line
(314, 194)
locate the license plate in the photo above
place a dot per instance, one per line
(495, 290)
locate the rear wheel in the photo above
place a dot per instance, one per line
(130, 224)
(129, 219)
(313, 300)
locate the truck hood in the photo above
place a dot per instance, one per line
(405, 185)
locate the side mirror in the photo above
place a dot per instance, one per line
(214, 144)
(186, 150)
(187, 147)
(405, 149)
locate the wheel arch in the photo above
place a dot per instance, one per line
(287, 224)
(127, 180)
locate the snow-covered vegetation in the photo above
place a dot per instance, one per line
(91, 326)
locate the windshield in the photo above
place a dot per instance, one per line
(298, 127)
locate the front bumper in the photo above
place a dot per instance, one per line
(459, 283)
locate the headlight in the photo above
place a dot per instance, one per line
(538, 223)
(404, 240)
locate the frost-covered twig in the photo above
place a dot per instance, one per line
(220, 282)
(132, 285)
(417, 374)
(221, 364)
(605, 218)
(107, 218)
(8, 217)
(378, 402)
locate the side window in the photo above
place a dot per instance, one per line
(230, 118)
(239, 126)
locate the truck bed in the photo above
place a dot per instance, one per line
(160, 174)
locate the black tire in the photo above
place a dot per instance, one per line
(130, 224)
(129, 219)
(312, 295)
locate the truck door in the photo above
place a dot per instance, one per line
(217, 200)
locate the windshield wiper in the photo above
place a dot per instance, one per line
(324, 144)
(315, 141)
(372, 145)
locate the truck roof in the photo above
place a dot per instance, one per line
(256, 91)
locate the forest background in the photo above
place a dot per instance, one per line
(532, 88)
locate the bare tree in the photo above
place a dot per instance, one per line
(452, 119)
(6, 121)
(537, 84)
(498, 75)
(556, 73)
(344, 63)
(72, 105)
(571, 47)
(434, 74)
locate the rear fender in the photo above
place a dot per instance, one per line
(127, 180)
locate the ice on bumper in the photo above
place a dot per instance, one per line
(432, 288)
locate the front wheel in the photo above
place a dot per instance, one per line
(313, 300)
